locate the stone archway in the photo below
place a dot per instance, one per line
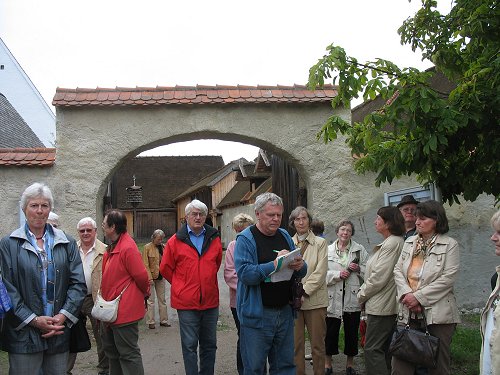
(99, 127)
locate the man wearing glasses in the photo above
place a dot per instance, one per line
(408, 207)
(91, 252)
(190, 262)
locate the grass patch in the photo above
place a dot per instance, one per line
(4, 363)
(466, 346)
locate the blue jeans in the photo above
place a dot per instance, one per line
(198, 327)
(274, 341)
(239, 362)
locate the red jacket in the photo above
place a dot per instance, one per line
(121, 267)
(193, 276)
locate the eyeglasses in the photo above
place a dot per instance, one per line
(297, 219)
(197, 214)
(86, 230)
(409, 209)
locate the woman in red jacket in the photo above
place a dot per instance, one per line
(123, 270)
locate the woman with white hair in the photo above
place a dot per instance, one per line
(490, 348)
(43, 274)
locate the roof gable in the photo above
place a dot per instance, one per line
(14, 132)
(210, 180)
(25, 98)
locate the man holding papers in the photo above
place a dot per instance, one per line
(266, 317)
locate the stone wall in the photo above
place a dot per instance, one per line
(93, 142)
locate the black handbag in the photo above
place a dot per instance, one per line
(297, 288)
(79, 340)
(297, 293)
(414, 346)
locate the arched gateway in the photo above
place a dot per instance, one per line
(98, 129)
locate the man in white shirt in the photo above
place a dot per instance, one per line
(91, 252)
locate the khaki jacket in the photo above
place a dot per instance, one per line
(378, 292)
(151, 259)
(338, 301)
(435, 289)
(314, 281)
(495, 335)
(96, 277)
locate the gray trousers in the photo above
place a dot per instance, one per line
(379, 331)
(122, 349)
(38, 363)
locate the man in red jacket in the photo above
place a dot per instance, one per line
(190, 263)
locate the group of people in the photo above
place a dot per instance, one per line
(53, 280)
(408, 279)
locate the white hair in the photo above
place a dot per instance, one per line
(36, 190)
(86, 220)
(53, 219)
(195, 203)
(264, 198)
(157, 233)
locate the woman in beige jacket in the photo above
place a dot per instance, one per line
(425, 274)
(378, 292)
(313, 311)
(490, 317)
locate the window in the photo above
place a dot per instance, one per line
(420, 193)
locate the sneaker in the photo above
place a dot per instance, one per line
(151, 326)
(328, 371)
(165, 324)
(308, 356)
(350, 371)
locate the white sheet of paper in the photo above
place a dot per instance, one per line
(283, 273)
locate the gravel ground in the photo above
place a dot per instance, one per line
(161, 347)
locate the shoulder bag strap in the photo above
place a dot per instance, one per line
(303, 248)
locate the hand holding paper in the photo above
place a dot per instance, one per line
(284, 265)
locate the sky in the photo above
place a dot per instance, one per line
(124, 43)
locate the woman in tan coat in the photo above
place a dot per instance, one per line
(313, 311)
(425, 274)
(378, 292)
(490, 317)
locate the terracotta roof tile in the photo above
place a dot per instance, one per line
(114, 95)
(223, 94)
(179, 94)
(190, 95)
(27, 157)
(234, 94)
(102, 95)
(135, 95)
